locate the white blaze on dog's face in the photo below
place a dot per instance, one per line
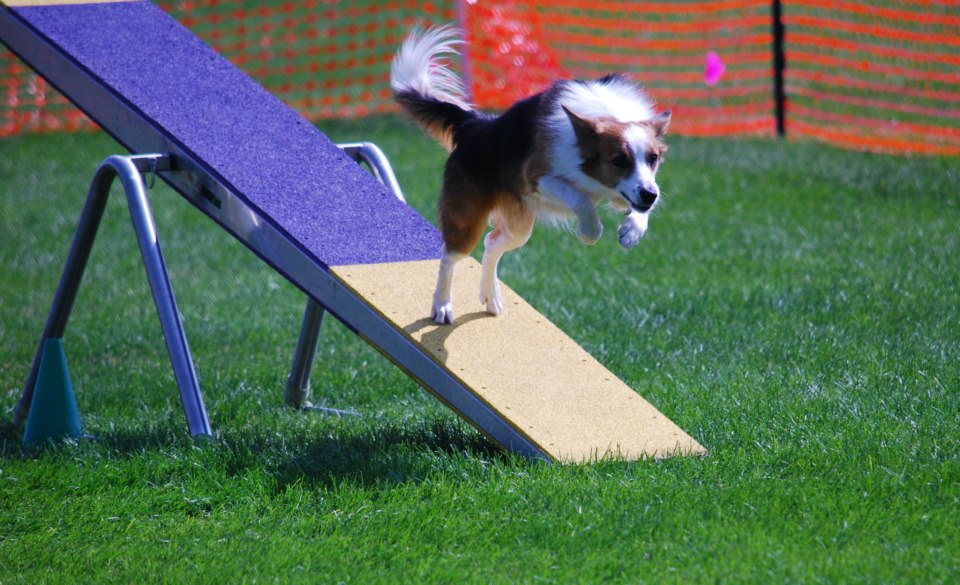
(623, 156)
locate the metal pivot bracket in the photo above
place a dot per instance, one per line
(129, 170)
(297, 392)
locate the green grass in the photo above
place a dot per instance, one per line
(795, 308)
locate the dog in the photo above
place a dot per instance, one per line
(555, 155)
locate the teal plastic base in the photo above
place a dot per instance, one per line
(53, 410)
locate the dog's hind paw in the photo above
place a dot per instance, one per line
(442, 313)
(490, 297)
(493, 303)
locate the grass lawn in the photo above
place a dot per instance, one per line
(795, 308)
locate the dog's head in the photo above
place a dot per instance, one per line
(623, 156)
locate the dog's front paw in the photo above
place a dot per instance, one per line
(589, 233)
(632, 229)
(442, 312)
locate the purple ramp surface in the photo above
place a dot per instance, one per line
(267, 153)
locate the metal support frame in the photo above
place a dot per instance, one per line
(297, 392)
(200, 185)
(228, 210)
(370, 154)
(128, 169)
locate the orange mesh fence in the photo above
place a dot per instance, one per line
(709, 62)
(29, 104)
(881, 75)
(325, 58)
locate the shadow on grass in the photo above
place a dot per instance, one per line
(372, 453)
(383, 456)
(10, 439)
(122, 442)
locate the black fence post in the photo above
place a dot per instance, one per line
(779, 64)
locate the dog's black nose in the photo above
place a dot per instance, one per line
(647, 197)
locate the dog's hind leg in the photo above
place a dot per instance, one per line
(442, 310)
(462, 221)
(512, 226)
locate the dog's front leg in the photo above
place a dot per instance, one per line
(589, 228)
(442, 310)
(633, 227)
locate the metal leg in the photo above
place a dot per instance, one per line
(298, 383)
(128, 169)
(370, 153)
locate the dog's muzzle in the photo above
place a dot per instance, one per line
(643, 199)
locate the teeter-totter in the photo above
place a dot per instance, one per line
(306, 208)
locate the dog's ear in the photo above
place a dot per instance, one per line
(660, 123)
(583, 127)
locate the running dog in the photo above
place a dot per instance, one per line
(555, 155)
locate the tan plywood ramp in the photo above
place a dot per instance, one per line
(522, 366)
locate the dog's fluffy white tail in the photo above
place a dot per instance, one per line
(421, 65)
(425, 86)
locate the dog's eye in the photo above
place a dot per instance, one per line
(652, 158)
(620, 161)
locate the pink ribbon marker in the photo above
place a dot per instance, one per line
(713, 70)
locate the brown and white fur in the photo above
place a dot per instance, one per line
(554, 155)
